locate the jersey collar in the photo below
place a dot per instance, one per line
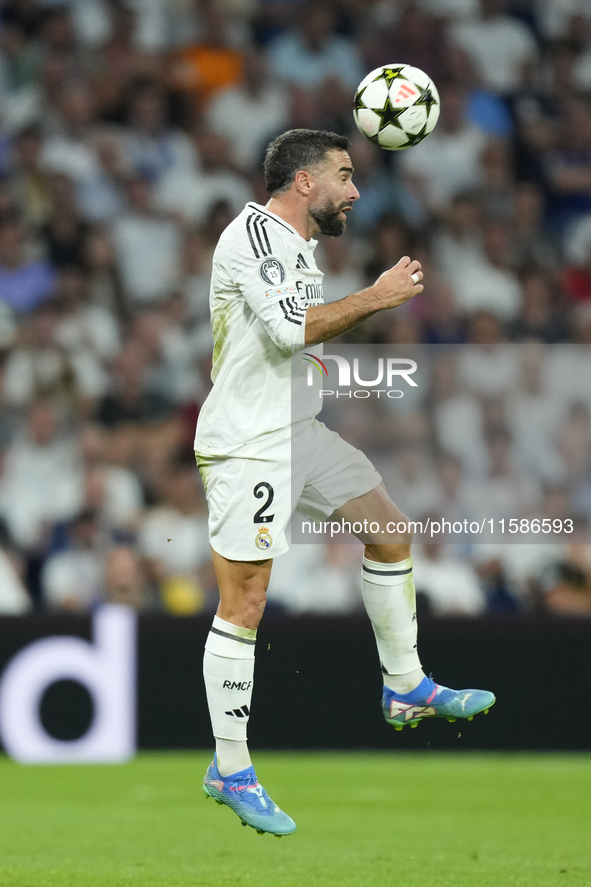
(312, 243)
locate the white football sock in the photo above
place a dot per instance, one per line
(228, 670)
(232, 756)
(389, 596)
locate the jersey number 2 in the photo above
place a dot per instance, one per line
(259, 492)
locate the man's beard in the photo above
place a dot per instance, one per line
(327, 218)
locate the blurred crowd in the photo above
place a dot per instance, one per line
(132, 132)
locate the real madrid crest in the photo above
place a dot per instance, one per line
(263, 539)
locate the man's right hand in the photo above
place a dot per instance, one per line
(396, 286)
(392, 288)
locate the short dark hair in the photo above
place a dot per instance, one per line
(298, 149)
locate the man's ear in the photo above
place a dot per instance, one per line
(303, 182)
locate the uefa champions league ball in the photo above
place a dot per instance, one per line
(396, 106)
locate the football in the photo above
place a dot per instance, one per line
(396, 106)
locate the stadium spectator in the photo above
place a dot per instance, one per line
(19, 74)
(174, 541)
(531, 245)
(99, 197)
(41, 479)
(71, 149)
(508, 489)
(415, 37)
(383, 191)
(131, 399)
(104, 280)
(484, 108)
(442, 324)
(576, 279)
(539, 318)
(84, 327)
(191, 194)
(212, 62)
(457, 242)
(449, 161)
(72, 578)
(449, 585)
(312, 52)
(457, 416)
(29, 182)
(148, 246)
(490, 283)
(567, 582)
(64, 232)
(14, 596)
(24, 283)
(120, 59)
(567, 167)
(194, 285)
(113, 492)
(342, 275)
(500, 45)
(124, 579)
(306, 568)
(151, 146)
(42, 367)
(251, 112)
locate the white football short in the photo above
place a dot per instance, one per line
(251, 500)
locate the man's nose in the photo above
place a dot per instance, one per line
(353, 193)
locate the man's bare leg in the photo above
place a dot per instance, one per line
(243, 586)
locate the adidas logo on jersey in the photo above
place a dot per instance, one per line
(301, 262)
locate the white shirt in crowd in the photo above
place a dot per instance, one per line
(41, 485)
(450, 584)
(191, 194)
(313, 578)
(446, 163)
(248, 121)
(179, 542)
(149, 255)
(14, 598)
(500, 47)
(73, 578)
(486, 288)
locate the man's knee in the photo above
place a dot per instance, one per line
(254, 598)
(243, 587)
(404, 532)
(243, 606)
(387, 554)
(410, 531)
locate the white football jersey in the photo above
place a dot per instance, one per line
(264, 278)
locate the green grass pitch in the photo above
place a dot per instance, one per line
(410, 820)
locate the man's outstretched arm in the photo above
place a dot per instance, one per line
(392, 288)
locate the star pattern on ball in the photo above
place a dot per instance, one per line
(359, 104)
(389, 114)
(414, 140)
(426, 98)
(390, 75)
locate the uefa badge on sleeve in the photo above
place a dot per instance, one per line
(263, 539)
(272, 272)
